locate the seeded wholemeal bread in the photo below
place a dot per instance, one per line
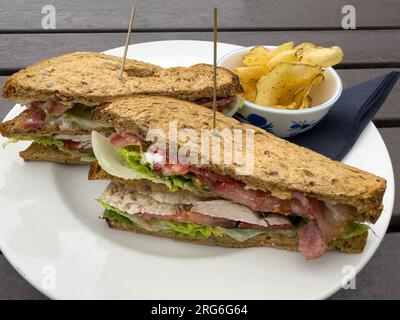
(269, 239)
(38, 152)
(91, 78)
(279, 166)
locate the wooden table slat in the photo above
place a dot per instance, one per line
(357, 49)
(184, 14)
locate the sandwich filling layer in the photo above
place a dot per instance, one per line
(191, 216)
(76, 146)
(65, 116)
(222, 104)
(68, 115)
(66, 126)
(125, 156)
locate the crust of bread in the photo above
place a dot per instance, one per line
(273, 239)
(14, 128)
(91, 78)
(279, 166)
(38, 152)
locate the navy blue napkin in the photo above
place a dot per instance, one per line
(336, 134)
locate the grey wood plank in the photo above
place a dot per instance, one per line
(371, 283)
(365, 48)
(380, 277)
(391, 136)
(178, 14)
(13, 286)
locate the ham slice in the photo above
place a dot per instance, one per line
(53, 108)
(35, 104)
(121, 140)
(191, 216)
(171, 169)
(255, 199)
(231, 189)
(36, 120)
(57, 109)
(77, 146)
(41, 109)
(326, 220)
(77, 143)
(187, 216)
(311, 241)
(221, 102)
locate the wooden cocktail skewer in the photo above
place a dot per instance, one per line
(215, 68)
(128, 37)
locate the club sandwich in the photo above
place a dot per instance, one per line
(61, 92)
(293, 199)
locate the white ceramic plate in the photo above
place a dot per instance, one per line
(50, 231)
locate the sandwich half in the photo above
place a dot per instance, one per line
(61, 92)
(293, 199)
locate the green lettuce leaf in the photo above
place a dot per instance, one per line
(242, 234)
(9, 141)
(111, 212)
(132, 156)
(113, 215)
(127, 163)
(194, 230)
(81, 115)
(355, 229)
(49, 141)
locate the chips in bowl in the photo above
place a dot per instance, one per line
(280, 85)
(283, 77)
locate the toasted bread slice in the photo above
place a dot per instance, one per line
(279, 166)
(91, 78)
(15, 128)
(38, 152)
(268, 239)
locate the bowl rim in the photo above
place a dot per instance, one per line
(327, 104)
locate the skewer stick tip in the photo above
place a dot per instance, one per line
(128, 37)
(215, 67)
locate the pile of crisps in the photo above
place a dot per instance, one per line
(283, 77)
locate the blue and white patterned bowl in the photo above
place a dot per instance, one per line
(287, 123)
